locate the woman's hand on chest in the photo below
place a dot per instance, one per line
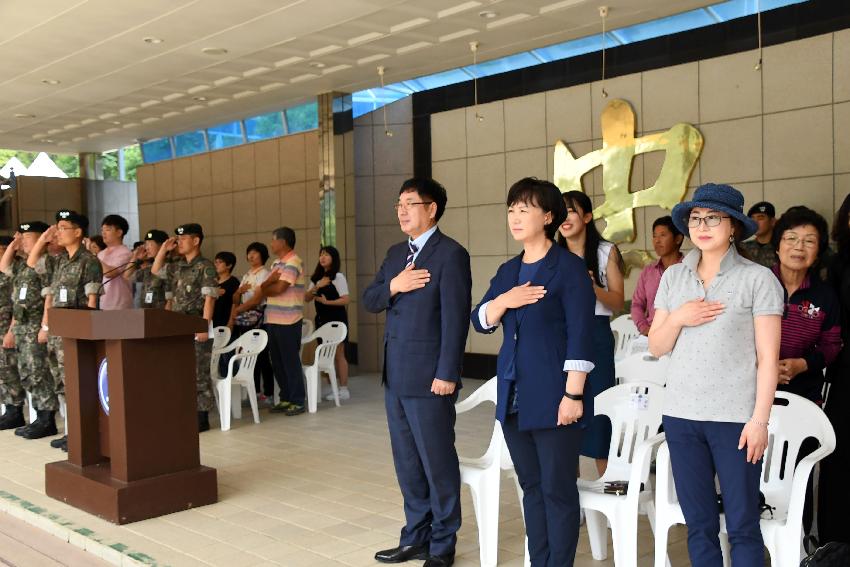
(521, 295)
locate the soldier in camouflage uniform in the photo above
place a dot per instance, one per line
(11, 390)
(156, 292)
(76, 283)
(27, 297)
(195, 285)
(760, 247)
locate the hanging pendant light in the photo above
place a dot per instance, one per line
(387, 131)
(758, 23)
(473, 46)
(603, 13)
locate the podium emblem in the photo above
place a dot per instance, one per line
(103, 386)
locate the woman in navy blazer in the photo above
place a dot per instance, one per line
(544, 302)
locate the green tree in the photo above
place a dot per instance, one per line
(132, 160)
(69, 163)
(303, 117)
(264, 126)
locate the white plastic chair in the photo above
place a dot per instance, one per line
(307, 328)
(246, 349)
(783, 532)
(220, 338)
(332, 334)
(641, 367)
(624, 330)
(635, 413)
(484, 474)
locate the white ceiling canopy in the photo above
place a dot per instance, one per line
(94, 75)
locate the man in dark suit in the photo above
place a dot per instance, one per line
(424, 285)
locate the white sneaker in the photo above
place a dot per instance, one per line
(344, 394)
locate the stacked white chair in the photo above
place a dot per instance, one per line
(624, 330)
(790, 424)
(641, 367)
(332, 334)
(246, 349)
(484, 475)
(635, 413)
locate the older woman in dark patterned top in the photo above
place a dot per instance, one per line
(811, 334)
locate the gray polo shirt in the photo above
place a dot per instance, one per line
(712, 370)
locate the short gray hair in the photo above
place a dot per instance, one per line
(286, 234)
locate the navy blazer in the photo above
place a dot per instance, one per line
(426, 329)
(540, 337)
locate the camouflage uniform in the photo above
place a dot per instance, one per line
(74, 279)
(191, 283)
(29, 286)
(763, 254)
(11, 390)
(155, 291)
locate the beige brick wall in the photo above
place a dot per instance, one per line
(381, 164)
(239, 195)
(38, 198)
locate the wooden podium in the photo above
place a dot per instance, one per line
(132, 452)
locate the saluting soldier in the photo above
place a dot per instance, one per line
(27, 296)
(11, 390)
(195, 286)
(76, 283)
(156, 291)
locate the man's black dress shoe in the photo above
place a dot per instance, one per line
(402, 553)
(440, 561)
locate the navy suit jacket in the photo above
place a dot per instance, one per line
(426, 329)
(541, 336)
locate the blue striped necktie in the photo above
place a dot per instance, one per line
(412, 249)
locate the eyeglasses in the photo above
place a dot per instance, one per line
(792, 240)
(709, 220)
(408, 206)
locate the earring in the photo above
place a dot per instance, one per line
(731, 238)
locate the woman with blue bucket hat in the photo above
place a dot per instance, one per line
(718, 314)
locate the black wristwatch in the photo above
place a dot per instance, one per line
(574, 397)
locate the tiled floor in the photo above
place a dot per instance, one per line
(297, 491)
(22, 545)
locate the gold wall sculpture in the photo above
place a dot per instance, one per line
(682, 143)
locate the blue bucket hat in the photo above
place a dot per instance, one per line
(724, 198)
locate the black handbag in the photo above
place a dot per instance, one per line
(832, 554)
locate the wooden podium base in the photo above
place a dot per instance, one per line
(93, 490)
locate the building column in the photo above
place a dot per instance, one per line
(91, 166)
(336, 191)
